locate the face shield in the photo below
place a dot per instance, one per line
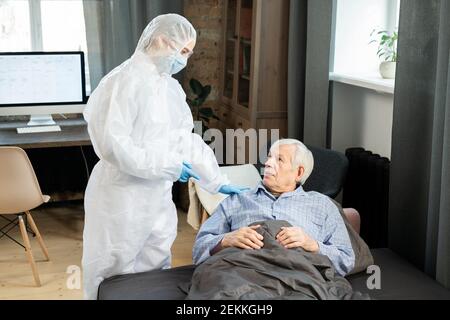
(163, 41)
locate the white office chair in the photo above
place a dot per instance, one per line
(19, 194)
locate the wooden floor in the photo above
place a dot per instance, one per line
(62, 230)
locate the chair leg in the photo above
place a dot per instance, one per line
(38, 235)
(28, 251)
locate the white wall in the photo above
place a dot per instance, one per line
(362, 118)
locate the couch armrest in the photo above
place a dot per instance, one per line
(354, 218)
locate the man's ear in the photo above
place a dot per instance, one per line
(300, 172)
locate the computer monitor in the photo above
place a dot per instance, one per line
(42, 83)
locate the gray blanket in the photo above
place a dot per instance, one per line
(270, 273)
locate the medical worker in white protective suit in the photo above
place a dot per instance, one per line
(141, 129)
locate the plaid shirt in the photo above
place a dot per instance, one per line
(315, 213)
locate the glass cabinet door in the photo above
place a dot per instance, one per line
(230, 48)
(245, 51)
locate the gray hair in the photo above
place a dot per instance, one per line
(303, 157)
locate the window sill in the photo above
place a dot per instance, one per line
(370, 81)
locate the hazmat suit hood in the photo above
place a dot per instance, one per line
(163, 38)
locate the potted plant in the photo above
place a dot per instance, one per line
(387, 51)
(200, 113)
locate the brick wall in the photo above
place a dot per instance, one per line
(204, 65)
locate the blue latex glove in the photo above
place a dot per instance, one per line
(230, 189)
(187, 173)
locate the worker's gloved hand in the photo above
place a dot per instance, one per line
(187, 173)
(230, 189)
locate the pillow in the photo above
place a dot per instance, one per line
(363, 256)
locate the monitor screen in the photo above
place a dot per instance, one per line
(42, 78)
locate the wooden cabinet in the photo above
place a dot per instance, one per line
(255, 59)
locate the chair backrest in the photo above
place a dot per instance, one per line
(330, 170)
(245, 176)
(19, 187)
(329, 173)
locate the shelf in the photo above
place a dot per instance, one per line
(246, 41)
(245, 76)
(232, 39)
(371, 81)
(230, 72)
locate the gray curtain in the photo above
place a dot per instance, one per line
(310, 39)
(419, 213)
(113, 28)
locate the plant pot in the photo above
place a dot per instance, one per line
(387, 69)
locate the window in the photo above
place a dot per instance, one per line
(43, 25)
(355, 21)
(15, 26)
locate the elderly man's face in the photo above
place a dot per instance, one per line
(280, 175)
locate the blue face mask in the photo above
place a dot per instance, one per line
(178, 64)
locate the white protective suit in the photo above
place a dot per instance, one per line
(141, 129)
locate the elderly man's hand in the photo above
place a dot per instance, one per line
(295, 237)
(244, 238)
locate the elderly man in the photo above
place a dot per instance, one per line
(317, 224)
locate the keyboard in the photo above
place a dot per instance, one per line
(38, 129)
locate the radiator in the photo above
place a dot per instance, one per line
(367, 190)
